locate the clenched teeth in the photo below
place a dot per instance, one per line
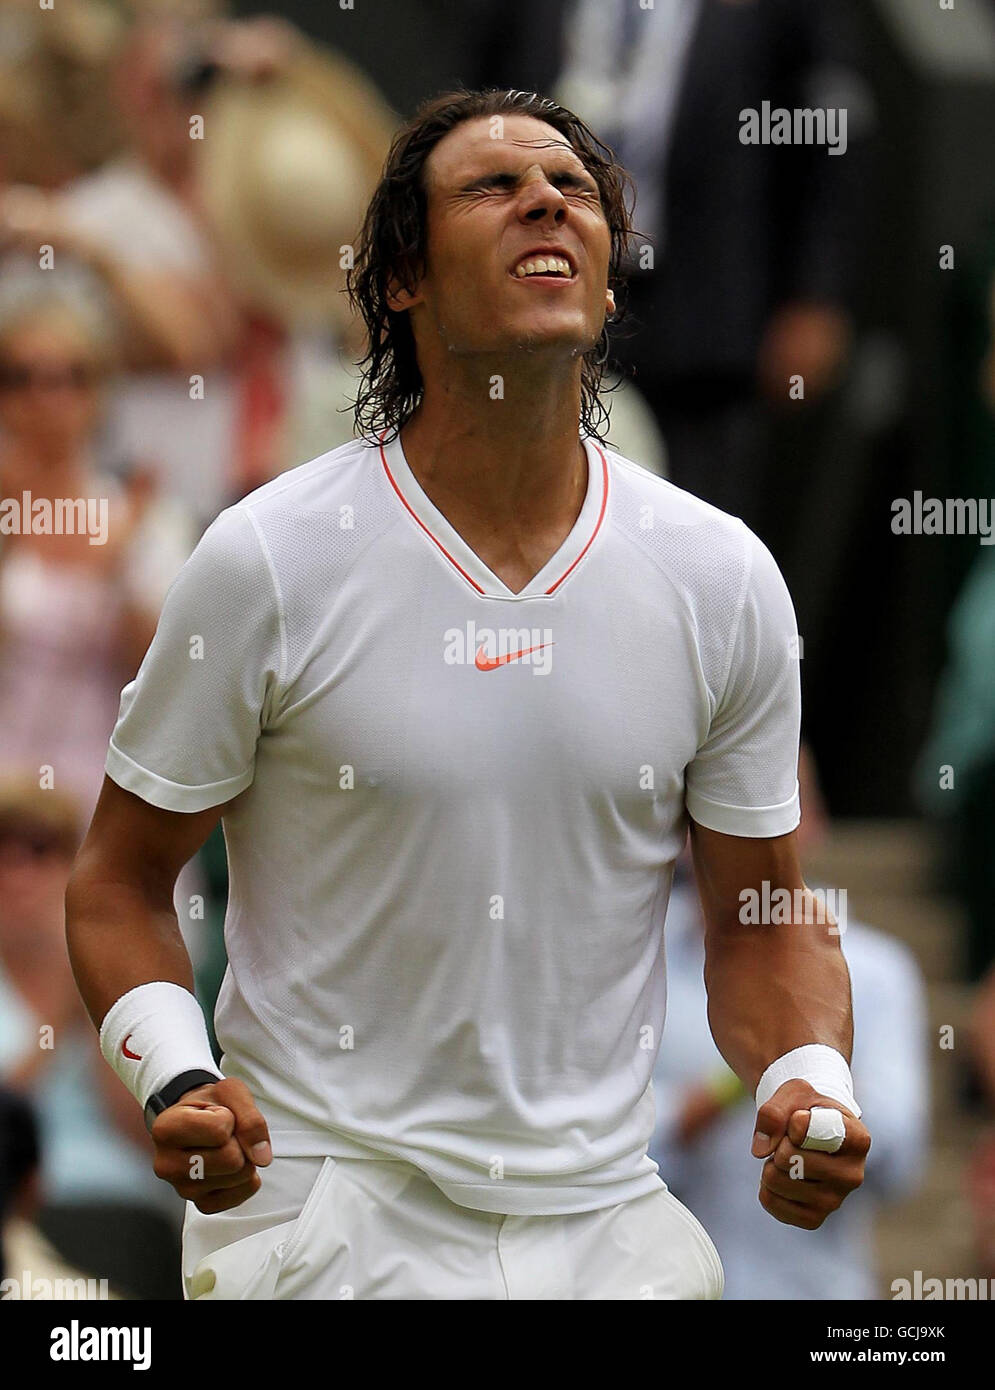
(547, 265)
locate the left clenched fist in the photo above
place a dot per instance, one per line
(802, 1186)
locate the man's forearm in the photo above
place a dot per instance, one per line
(775, 988)
(120, 936)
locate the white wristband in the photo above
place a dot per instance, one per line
(821, 1066)
(153, 1034)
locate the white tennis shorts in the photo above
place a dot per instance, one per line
(339, 1228)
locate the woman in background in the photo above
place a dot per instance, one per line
(77, 611)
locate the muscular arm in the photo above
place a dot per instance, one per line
(770, 988)
(122, 932)
(121, 926)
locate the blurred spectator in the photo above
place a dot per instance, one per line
(19, 1159)
(956, 770)
(133, 222)
(705, 1120)
(296, 140)
(102, 1206)
(30, 1267)
(75, 617)
(955, 773)
(219, 234)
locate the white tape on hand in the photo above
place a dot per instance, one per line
(824, 1068)
(826, 1130)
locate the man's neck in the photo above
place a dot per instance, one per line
(507, 470)
(500, 445)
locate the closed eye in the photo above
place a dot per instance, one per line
(575, 181)
(502, 181)
(508, 182)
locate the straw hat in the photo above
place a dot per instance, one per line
(285, 171)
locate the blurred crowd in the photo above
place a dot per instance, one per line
(179, 187)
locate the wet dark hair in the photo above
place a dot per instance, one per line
(392, 242)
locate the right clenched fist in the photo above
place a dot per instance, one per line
(209, 1144)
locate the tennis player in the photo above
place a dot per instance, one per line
(457, 691)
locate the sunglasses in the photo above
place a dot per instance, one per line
(36, 847)
(22, 376)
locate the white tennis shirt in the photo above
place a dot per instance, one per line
(454, 810)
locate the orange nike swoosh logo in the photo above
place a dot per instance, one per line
(491, 663)
(133, 1055)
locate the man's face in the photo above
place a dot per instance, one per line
(494, 205)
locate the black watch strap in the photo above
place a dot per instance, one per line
(171, 1092)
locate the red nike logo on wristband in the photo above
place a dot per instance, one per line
(491, 663)
(133, 1055)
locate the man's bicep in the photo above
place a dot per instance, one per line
(139, 843)
(728, 866)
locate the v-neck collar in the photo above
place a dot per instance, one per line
(466, 562)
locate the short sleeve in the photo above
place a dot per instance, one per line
(743, 780)
(189, 722)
